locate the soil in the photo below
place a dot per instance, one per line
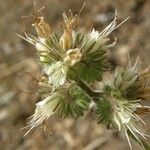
(17, 58)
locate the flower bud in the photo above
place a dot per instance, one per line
(42, 49)
(73, 56)
(66, 40)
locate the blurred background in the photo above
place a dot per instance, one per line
(17, 57)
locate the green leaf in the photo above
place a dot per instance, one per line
(88, 72)
(104, 112)
(75, 101)
(78, 39)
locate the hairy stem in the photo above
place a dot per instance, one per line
(89, 91)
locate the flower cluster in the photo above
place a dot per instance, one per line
(73, 54)
(67, 57)
(119, 106)
(70, 101)
(70, 60)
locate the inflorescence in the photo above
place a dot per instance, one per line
(70, 60)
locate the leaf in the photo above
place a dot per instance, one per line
(104, 112)
(88, 72)
(75, 101)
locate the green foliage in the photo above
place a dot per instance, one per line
(78, 39)
(93, 62)
(86, 72)
(52, 43)
(104, 112)
(70, 61)
(75, 101)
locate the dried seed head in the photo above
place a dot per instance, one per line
(66, 39)
(42, 27)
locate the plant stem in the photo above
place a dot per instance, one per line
(90, 92)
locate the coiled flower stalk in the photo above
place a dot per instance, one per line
(70, 60)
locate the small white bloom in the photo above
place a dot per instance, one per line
(40, 45)
(44, 110)
(57, 73)
(73, 56)
(94, 35)
(125, 119)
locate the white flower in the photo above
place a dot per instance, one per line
(73, 56)
(44, 110)
(57, 73)
(125, 119)
(43, 50)
(40, 45)
(94, 35)
(97, 39)
(125, 78)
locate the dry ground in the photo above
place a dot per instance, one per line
(18, 57)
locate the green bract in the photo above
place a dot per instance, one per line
(104, 112)
(74, 103)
